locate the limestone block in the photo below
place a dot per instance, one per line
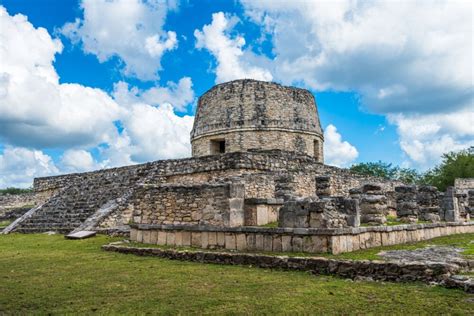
(267, 243)
(230, 242)
(251, 242)
(204, 240)
(212, 239)
(241, 242)
(186, 238)
(286, 243)
(161, 238)
(276, 244)
(297, 244)
(133, 234)
(139, 236)
(178, 239)
(153, 237)
(196, 239)
(170, 238)
(220, 239)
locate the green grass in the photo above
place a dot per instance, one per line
(41, 274)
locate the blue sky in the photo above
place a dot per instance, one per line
(391, 82)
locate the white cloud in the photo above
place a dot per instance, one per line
(424, 138)
(336, 151)
(157, 132)
(232, 61)
(78, 160)
(18, 166)
(129, 29)
(179, 95)
(37, 111)
(402, 61)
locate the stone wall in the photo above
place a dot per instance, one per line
(240, 140)
(204, 204)
(309, 240)
(335, 212)
(464, 183)
(13, 206)
(250, 114)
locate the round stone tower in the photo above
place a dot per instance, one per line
(250, 114)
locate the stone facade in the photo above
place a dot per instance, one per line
(310, 240)
(249, 114)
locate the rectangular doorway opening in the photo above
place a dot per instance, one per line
(217, 146)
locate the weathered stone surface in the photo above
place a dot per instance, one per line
(256, 115)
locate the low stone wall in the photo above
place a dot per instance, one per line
(374, 270)
(309, 240)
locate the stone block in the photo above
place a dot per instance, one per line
(196, 239)
(251, 242)
(220, 239)
(241, 242)
(133, 234)
(212, 239)
(186, 238)
(204, 240)
(170, 238)
(276, 243)
(297, 244)
(153, 237)
(267, 243)
(259, 242)
(178, 238)
(230, 242)
(161, 238)
(139, 235)
(286, 243)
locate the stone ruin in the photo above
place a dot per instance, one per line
(257, 161)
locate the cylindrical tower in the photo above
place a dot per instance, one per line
(250, 114)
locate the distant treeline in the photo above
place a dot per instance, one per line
(455, 164)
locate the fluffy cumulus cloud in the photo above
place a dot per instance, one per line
(396, 55)
(179, 95)
(336, 151)
(131, 30)
(424, 138)
(18, 166)
(78, 160)
(233, 62)
(37, 111)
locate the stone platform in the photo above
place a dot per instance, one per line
(309, 240)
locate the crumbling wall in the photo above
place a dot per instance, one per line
(335, 212)
(209, 204)
(373, 203)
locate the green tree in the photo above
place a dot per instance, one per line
(386, 171)
(453, 165)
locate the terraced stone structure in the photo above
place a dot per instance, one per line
(250, 114)
(257, 162)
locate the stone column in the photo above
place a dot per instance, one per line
(428, 203)
(407, 207)
(450, 206)
(236, 205)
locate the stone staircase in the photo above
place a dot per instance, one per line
(66, 211)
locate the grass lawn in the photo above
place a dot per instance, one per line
(47, 274)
